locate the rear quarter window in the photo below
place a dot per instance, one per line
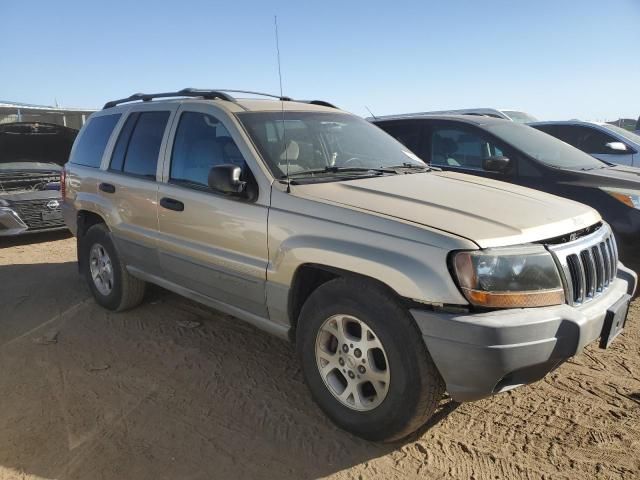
(93, 140)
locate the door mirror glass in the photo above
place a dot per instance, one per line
(499, 164)
(616, 146)
(225, 178)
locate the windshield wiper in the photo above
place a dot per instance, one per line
(413, 166)
(335, 169)
(587, 169)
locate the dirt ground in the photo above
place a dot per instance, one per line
(172, 390)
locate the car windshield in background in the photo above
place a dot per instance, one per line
(623, 133)
(519, 117)
(312, 142)
(543, 147)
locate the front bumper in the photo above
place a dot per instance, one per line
(481, 354)
(10, 223)
(27, 213)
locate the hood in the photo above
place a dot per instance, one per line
(34, 143)
(618, 176)
(487, 212)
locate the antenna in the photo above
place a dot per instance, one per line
(284, 139)
(374, 117)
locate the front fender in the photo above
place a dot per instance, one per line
(409, 260)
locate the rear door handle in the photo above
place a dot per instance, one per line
(107, 188)
(172, 204)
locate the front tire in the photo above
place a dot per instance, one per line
(109, 281)
(365, 362)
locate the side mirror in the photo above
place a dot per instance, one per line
(226, 179)
(496, 164)
(616, 146)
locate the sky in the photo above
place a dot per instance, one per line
(553, 59)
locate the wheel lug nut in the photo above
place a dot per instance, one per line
(345, 348)
(357, 353)
(351, 374)
(361, 369)
(341, 362)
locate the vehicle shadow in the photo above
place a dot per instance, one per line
(34, 238)
(170, 389)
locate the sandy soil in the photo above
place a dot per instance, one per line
(172, 390)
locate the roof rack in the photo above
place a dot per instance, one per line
(185, 92)
(222, 94)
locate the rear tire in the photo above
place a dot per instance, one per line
(111, 284)
(405, 385)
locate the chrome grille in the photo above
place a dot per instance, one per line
(30, 212)
(588, 264)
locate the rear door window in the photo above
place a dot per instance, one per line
(567, 133)
(91, 144)
(138, 146)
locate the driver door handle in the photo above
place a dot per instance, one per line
(172, 204)
(107, 188)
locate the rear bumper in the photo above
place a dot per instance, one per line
(70, 217)
(481, 354)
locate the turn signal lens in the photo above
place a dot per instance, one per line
(516, 299)
(631, 198)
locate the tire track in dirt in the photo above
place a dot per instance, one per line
(223, 400)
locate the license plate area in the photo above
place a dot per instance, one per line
(49, 216)
(614, 321)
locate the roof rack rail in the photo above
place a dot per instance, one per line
(185, 92)
(222, 94)
(322, 103)
(283, 98)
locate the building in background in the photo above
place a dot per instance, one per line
(14, 112)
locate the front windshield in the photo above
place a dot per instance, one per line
(519, 117)
(623, 133)
(543, 147)
(312, 141)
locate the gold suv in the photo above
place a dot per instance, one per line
(394, 280)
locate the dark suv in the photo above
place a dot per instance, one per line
(515, 153)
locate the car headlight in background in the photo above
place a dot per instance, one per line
(513, 277)
(631, 198)
(3, 203)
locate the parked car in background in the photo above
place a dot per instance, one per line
(514, 153)
(31, 158)
(395, 281)
(506, 114)
(607, 142)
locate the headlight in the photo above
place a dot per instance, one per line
(3, 203)
(517, 277)
(631, 198)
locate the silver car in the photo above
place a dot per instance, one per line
(604, 141)
(394, 280)
(517, 116)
